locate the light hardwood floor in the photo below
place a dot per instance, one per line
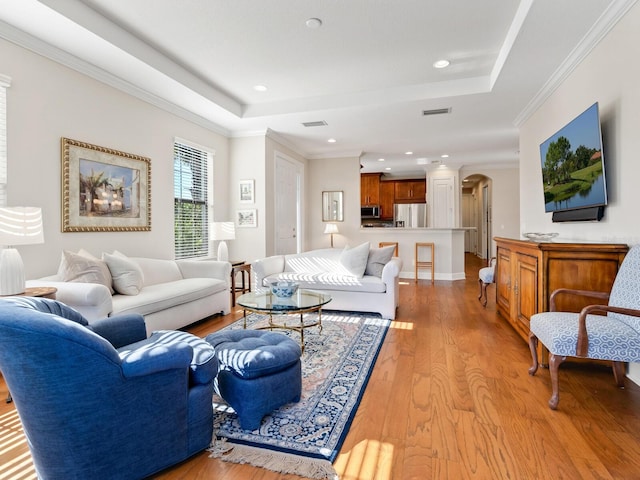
(450, 398)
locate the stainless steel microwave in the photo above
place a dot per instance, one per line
(370, 211)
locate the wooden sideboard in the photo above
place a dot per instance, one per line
(528, 272)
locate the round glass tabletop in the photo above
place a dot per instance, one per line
(264, 300)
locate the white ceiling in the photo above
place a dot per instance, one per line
(367, 71)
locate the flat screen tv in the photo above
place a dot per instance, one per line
(573, 173)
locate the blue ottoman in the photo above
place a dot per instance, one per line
(258, 372)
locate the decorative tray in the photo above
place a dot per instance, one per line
(540, 237)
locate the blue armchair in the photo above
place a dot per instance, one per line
(601, 332)
(102, 401)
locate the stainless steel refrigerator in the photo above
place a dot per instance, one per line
(410, 215)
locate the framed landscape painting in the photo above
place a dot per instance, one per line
(247, 218)
(104, 190)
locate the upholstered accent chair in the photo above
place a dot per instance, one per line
(486, 276)
(601, 332)
(103, 401)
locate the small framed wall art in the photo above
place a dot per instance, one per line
(247, 191)
(247, 218)
(104, 190)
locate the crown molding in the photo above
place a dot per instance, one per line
(33, 44)
(609, 18)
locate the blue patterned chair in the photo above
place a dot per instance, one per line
(486, 276)
(601, 332)
(103, 401)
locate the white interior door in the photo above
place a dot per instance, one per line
(442, 203)
(288, 178)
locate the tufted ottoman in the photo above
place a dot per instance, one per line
(259, 371)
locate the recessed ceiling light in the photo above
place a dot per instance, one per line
(313, 23)
(408, 153)
(444, 156)
(441, 64)
(332, 140)
(381, 159)
(388, 168)
(260, 88)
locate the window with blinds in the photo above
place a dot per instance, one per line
(192, 168)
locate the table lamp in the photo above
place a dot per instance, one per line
(18, 226)
(223, 231)
(331, 228)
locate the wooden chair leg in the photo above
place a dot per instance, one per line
(533, 346)
(554, 365)
(619, 371)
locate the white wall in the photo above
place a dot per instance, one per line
(47, 101)
(334, 174)
(610, 75)
(247, 162)
(505, 200)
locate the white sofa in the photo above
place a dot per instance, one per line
(323, 270)
(174, 293)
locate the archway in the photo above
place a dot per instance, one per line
(476, 214)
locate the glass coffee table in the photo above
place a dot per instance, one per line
(303, 301)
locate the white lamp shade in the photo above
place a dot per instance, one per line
(20, 226)
(223, 231)
(331, 228)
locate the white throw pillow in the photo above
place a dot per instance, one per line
(378, 258)
(355, 259)
(128, 278)
(82, 267)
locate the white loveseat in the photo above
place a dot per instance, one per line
(325, 270)
(173, 293)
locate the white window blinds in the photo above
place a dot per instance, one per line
(192, 169)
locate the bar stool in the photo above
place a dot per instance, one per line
(386, 244)
(425, 263)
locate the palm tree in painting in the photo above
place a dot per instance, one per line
(90, 185)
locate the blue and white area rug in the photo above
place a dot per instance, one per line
(304, 438)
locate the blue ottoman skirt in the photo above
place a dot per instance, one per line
(259, 371)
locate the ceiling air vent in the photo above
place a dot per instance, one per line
(318, 123)
(436, 111)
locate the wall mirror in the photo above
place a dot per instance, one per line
(332, 207)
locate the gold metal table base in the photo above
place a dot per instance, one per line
(300, 328)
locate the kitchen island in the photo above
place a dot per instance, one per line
(449, 246)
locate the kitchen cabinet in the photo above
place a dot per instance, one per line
(370, 189)
(410, 191)
(387, 196)
(528, 272)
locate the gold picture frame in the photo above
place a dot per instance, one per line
(104, 190)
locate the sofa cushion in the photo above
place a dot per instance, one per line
(378, 258)
(156, 271)
(331, 281)
(128, 278)
(354, 259)
(154, 298)
(82, 267)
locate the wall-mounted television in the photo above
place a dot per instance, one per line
(573, 173)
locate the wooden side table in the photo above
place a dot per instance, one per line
(245, 271)
(44, 292)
